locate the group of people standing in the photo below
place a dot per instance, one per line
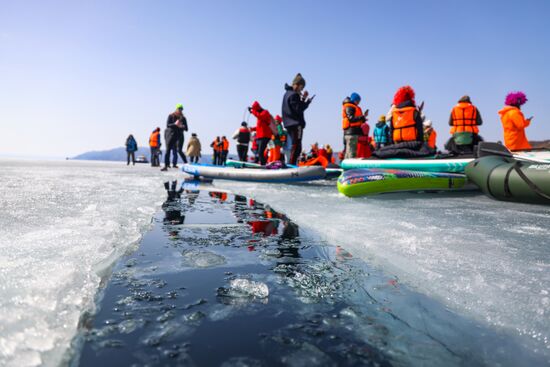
(271, 134)
(406, 132)
(220, 147)
(403, 132)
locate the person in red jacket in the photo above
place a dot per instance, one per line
(263, 130)
(363, 143)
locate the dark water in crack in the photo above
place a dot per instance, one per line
(222, 280)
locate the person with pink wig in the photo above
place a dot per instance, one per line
(514, 123)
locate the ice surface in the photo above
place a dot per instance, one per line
(485, 259)
(62, 224)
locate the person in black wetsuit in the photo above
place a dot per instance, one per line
(175, 121)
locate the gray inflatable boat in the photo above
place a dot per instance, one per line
(287, 175)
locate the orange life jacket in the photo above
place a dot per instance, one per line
(274, 154)
(154, 139)
(225, 144)
(464, 117)
(216, 146)
(430, 136)
(404, 125)
(346, 124)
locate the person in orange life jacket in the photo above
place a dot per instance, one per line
(363, 143)
(464, 121)
(242, 135)
(131, 148)
(430, 136)
(406, 120)
(315, 157)
(294, 105)
(215, 145)
(174, 122)
(224, 151)
(154, 144)
(263, 129)
(352, 118)
(514, 122)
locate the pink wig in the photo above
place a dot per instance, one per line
(515, 99)
(403, 94)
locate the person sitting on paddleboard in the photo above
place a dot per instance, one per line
(464, 121)
(430, 136)
(406, 119)
(514, 122)
(381, 132)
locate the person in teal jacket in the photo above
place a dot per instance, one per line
(381, 132)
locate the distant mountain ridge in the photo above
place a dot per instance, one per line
(116, 154)
(119, 154)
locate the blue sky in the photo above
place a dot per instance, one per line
(81, 75)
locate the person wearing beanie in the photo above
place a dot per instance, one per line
(154, 144)
(406, 119)
(242, 135)
(514, 122)
(194, 149)
(262, 129)
(352, 119)
(430, 136)
(175, 121)
(381, 132)
(294, 104)
(464, 121)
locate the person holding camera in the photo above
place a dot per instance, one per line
(175, 121)
(294, 104)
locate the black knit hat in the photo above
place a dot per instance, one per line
(465, 99)
(299, 79)
(244, 123)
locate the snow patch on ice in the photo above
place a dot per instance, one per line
(61, 223)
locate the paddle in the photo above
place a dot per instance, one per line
(486, 149)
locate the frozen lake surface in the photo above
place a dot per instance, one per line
(485, 259)
(61, 225)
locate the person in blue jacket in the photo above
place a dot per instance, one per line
(131, 148)
(381, 132)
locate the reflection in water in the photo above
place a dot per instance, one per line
(293, 302)
(172, 208)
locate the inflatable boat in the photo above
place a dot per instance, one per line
(509, 179)
(286, 175)
(360, 182)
